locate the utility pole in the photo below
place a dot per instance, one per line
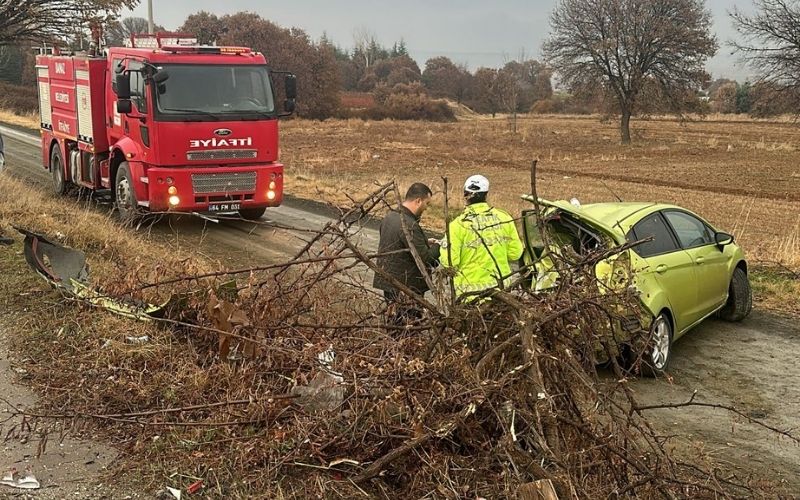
(150, 16)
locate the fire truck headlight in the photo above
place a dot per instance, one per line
(174, 200)
(272, 185)
(270, 195)
(172, 190)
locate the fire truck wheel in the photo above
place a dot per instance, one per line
(125, 198)
(60, 185)
(252, 213)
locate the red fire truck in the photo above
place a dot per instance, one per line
(165, 125)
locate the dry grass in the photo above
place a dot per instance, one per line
(27, 120)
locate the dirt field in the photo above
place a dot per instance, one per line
(738, 175)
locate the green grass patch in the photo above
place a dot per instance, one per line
(776, 290)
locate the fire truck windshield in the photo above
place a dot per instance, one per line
(214, 92)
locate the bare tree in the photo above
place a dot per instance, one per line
(771, 43)
(120, 31)
(49, 20)
(623, 44)
(508, 93)
(366, 47)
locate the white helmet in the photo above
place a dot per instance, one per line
(476, 184)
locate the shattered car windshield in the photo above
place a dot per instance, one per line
(211, 90)
(564, 232)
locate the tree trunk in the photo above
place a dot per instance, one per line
(625, 126)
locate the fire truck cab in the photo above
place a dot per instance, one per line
(165, 125)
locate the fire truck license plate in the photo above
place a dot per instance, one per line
(224, 207)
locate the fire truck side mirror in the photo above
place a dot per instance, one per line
(290, 86)
(123, 85)
(124, 106)
(289, 106)
(161, 76)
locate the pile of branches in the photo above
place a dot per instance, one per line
(491, 398)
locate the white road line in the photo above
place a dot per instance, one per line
(22, 136)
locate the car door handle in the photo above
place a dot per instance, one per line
(700, 260)
(661, 268)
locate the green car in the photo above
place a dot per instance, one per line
(685, 272)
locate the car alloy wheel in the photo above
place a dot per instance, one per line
(660, 340)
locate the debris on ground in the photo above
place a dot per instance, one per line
(66, 270)
(194, 487)
(14, 479)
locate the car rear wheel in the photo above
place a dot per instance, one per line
(740, 297)
(60, 185)
(252, 213)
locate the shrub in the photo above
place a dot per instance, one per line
(19, 98)
(564, 104)
(407, 102)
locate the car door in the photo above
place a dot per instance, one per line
(668, 265)
(711, 263)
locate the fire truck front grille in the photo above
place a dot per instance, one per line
(224, 183)
(222, 154)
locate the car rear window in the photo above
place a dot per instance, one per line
(655, 226)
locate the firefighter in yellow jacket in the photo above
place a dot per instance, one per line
(483, 243)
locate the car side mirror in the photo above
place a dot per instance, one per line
(124, 106)
(723, 239)
(161, 76)
(123, 81)
(290, 86)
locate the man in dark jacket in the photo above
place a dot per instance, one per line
(401, 264)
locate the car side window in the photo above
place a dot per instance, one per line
(691, 231)
(655, 226)
(114, 64)
(138, 87)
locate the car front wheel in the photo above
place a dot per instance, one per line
(125, 197)
(740, 297)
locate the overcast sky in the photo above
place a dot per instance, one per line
(478, 33)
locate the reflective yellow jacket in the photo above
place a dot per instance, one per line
(483, 242)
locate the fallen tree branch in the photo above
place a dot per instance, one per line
(718, 406)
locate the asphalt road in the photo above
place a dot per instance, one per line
(267, 242)
(752, 365)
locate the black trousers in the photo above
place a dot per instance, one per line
(400, 310)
